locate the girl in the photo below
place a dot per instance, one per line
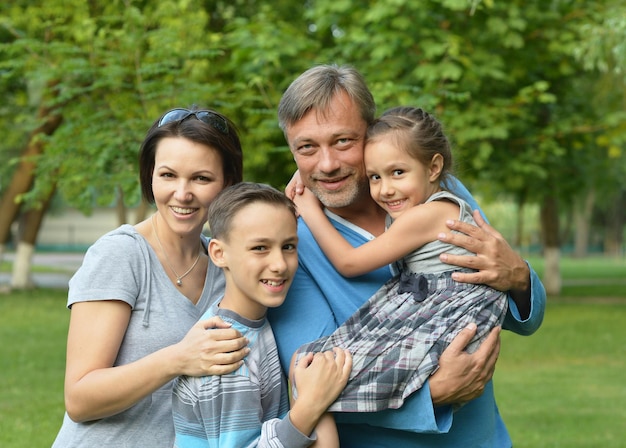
(397, 336)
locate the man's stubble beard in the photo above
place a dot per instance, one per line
(345, 197)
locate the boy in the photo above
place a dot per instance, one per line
(254, 241)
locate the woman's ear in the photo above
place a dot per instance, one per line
(435, 168)
(216, 252)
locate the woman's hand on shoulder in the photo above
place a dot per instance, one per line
(211, 347)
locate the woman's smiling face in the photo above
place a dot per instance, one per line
(186, 178)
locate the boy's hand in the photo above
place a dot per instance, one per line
(320, 378)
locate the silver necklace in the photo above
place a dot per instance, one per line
(179, 278)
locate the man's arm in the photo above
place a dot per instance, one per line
(498, 265)
(462, 377)
(502, 268)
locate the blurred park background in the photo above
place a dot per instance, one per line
(532, 93)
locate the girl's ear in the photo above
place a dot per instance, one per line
(216, 252)
(435, 168)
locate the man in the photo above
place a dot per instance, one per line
(324, 114)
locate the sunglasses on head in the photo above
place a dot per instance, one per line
(205, 116)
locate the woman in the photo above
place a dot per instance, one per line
(136, 300)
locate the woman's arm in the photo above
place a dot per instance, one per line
(95, 389)
(408, 232)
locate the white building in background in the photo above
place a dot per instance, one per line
(71, 230)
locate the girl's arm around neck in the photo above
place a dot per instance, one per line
(410, 231)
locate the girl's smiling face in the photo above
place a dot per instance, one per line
(397, 180)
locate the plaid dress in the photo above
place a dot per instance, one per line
(397, 336)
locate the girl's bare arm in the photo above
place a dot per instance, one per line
(410, 231)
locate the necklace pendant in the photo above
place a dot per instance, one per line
(179, 278)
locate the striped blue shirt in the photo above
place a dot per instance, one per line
(246, 408)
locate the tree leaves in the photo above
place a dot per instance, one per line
(524, 89)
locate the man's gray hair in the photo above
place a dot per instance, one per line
(315, 89)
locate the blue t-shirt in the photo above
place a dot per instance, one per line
(320, 299)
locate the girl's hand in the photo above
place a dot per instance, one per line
(211, 347)
(307, 204)
(295, 186)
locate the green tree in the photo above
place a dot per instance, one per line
(509, 81)
(525, 89)
(107, 70)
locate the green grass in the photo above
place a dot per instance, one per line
(6, 266)
(565, 386)
(597, 277)
(587, 268)
(33, 331)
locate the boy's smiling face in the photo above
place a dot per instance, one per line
(259, 258)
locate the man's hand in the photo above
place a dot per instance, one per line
(461, 376)
(498, 265)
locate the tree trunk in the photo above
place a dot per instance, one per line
(21, 277)
(142, 211)
(613, 234)
(3, 248)
(582, 221)
(23, 176)
(120, 207)
(552, 251)
(519, 231)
